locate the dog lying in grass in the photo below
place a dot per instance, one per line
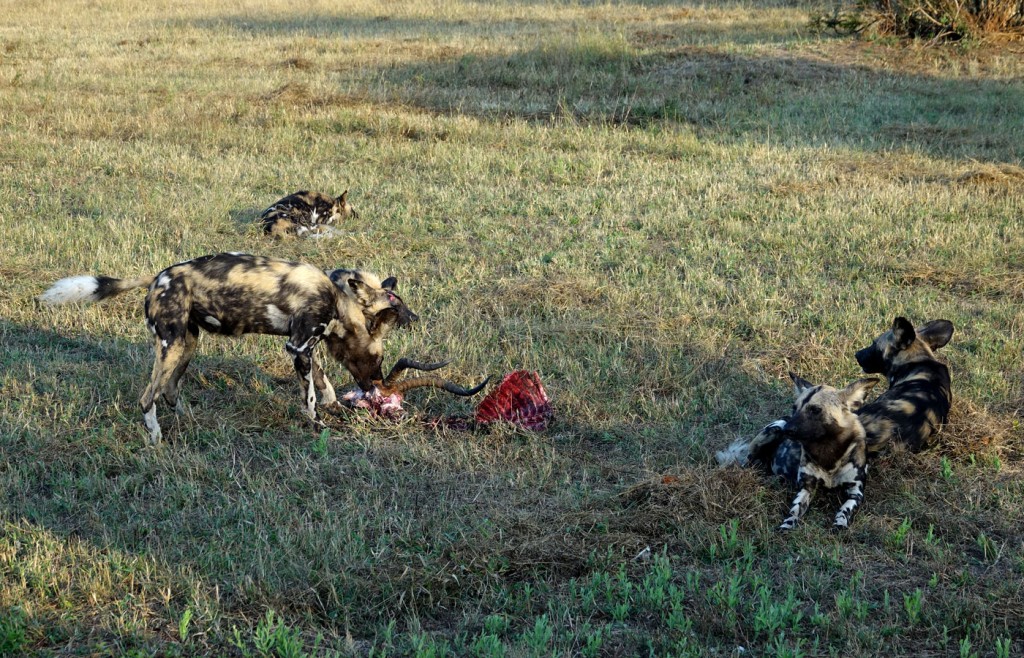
(909, 414)
(233, 294)
(919, 398)
(307, 214)
(830, 440)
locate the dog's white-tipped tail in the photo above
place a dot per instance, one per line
(737, 453)
(89, 289)
(72, 289)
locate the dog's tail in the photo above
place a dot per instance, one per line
(89, 289)
(759, 449)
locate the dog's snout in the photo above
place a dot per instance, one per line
(870, 359)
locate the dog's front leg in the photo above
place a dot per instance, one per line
(302, 355)
(328, 398)
(854, 498)
(800, 503)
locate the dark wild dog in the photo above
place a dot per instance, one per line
(307, 214)
(233, 294)
(917, 404)
(832, 447)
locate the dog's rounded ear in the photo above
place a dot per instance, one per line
(361, 290)
(799, 383)
(936, 333)
(343, 197)
(854, 394)
(390, 283)
(903, 333)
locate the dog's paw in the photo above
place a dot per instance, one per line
(842, 523)
(788, 525)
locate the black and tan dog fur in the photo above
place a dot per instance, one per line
(306, 214)
(233, 294)
(827, 434)
(917, 403)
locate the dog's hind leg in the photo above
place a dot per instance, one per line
(854, 498)
(148, 399)
(173, 348)
(759, 449)
(800, 504)
(188, 349)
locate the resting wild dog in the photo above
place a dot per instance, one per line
(910, 413)
(234, 294)
(832, 440)
(917, 403)
(306, 214)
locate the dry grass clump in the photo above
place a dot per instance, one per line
(993, 175)
(936, 20)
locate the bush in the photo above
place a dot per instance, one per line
(936, 20)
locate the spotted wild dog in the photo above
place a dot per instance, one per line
(832, 448)
(917, 403)
(233, 294)
(910, 413)
(307, 214)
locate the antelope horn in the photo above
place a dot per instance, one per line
(437, 382)
(404, 364)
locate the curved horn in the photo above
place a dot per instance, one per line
(418, 382)
(404, 364)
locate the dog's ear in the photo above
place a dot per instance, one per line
(343, 197)
(390, 283)
(903, 333)
(336, 276)
(385, 319)
(936, 333)
(362, 291)
(799, 383)
(854, 394)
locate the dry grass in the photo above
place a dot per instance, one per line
(662, 208)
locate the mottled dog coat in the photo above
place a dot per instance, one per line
(917, 403)
(832, 450)
(234, 294)
(910, 413)
(307, 214)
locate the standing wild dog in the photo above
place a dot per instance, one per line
(306, 214)
(234, 294)
(832, 448)
(917, 403)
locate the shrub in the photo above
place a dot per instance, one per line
(936, 20)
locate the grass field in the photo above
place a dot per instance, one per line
(661, 207)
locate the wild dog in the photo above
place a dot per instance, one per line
(917, 403)
(832, 446)
(306, 214)
(233, 294)
(910, 413)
